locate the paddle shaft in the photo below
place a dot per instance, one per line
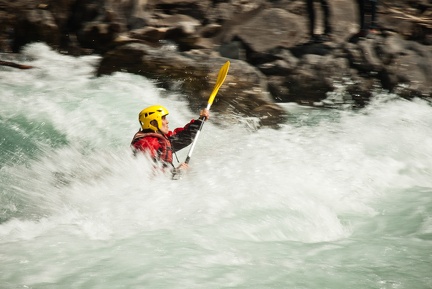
(195, 139)
(221, 78)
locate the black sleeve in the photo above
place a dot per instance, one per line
(185, 137)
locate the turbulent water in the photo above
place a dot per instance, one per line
(332, 199)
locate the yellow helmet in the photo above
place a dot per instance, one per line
(154, 112)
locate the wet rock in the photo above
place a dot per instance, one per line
(182, 43)
(244, 90)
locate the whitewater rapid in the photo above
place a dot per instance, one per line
(331, 199)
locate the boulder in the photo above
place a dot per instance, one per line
(185, 41)
(244, 91)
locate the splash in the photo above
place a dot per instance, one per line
(332, 197)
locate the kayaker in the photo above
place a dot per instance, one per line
(155, 138)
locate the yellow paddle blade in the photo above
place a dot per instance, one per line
(221, 78)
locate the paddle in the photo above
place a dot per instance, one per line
(221, 78)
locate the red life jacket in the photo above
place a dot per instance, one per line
(163, 149)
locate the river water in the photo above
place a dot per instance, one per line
(332, 199)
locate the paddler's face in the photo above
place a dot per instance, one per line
(164, 129)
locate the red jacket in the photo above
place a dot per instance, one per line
(161, 147)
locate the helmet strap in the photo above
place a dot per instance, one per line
(156, 125)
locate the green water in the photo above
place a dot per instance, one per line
(332, 199)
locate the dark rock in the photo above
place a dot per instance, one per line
(186, 41)
(34, 26)
(244, 89)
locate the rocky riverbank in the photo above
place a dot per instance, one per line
(181, 44)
